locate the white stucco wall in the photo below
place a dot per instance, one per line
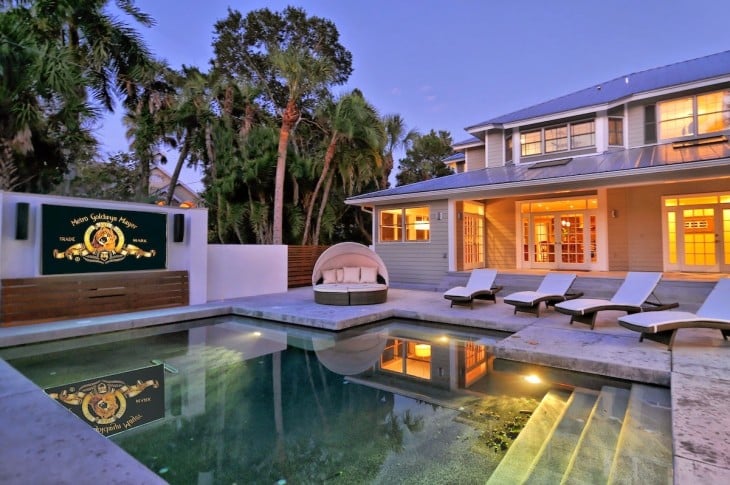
(236, 270)
(22, 258)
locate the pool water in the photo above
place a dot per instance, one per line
(250, 401)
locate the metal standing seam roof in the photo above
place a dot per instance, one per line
(657, 156)
(708, 67)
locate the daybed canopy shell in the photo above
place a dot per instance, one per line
(348, 254)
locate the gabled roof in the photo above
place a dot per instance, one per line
(454, 158)
(643, 164)
(468, 142)
(694, 70)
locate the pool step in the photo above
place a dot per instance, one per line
(591, 462)
(644, 451)
(513, 467)
(617, 436)
(554, 456)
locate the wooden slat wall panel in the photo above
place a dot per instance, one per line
(33, 300)
(301, 264)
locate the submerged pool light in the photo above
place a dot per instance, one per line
(533, 379)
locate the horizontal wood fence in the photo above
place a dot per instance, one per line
(33, 300)
(301, 264)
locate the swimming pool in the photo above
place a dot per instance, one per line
(250, 401)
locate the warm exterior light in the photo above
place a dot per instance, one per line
(533, 379)
(423, 350)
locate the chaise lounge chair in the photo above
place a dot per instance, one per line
(553, 288)
(631, 297)
(479, 287)
(662, 326)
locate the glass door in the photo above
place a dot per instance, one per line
(697, 232)
(473, 230)
(563, 241)
(699, 239)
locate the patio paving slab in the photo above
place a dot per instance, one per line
(701, 420)
(618, 356)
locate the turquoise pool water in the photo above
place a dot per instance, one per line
(250, 401)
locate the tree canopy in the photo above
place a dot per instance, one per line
(423, 159)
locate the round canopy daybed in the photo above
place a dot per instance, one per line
(353, 355)
(349, 273)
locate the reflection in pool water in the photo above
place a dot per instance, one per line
(251, 401)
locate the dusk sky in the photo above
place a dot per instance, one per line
(448, 64)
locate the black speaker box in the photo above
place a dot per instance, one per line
(178, 228)
(22, 211)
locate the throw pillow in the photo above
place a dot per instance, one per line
(368, 275)
(352, 274)
(330, 276)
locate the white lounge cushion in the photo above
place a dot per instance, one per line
(366, 287)
(332, 288)
(651, 321)
(479, 280)
(553, 284)
(580, 306)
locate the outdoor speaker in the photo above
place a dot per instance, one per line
(178, 227)
(22, 210)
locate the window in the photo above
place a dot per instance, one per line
(694, 115)
(616, 131)
(676, 118)
(582, 134)
(411, 224)
(391, 225)
(508, 149)
(531, 143)
(556, 139)
(571, 136)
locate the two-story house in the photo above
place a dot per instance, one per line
(630, 174)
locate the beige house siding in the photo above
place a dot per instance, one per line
(474, 158)
(495, 149)
(417, 263)
(635, 235)
(635, 120)
(458, 230)
(500, 214)
(618, 229)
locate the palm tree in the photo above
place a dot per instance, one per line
(396, 138)
(351, 120)
(149, 122)
(191, 114)
(41, 112)
(68, 53)
(302, 73)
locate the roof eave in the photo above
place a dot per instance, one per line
(637, 176)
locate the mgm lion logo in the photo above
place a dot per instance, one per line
(103, 243)
(103, 402)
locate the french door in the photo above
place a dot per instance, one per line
(697, 234)
(560, 240)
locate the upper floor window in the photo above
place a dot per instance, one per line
(616, 131)
(556, 139)
(531, 143)
(570, 136)
(583, 134)
(410, 224)
(694, 115)
(508, 149)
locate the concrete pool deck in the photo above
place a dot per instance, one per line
(51, 446)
